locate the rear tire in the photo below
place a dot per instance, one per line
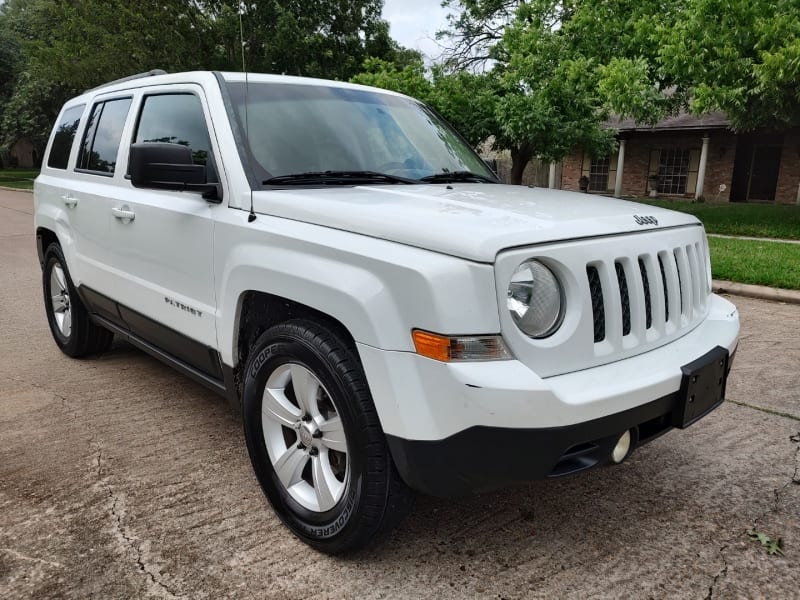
(72, 328)
(315, 441)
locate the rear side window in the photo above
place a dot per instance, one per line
(65, 134)
(175, 119)
(103, 135)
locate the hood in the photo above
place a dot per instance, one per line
(472, 221)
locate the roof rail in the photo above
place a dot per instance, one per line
(150, 73)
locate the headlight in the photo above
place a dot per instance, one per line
(536, 299)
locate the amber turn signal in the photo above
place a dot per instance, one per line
(459, 348)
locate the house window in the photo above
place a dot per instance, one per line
(673, 170)
(598, 174)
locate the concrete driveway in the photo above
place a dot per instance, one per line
(120, 478)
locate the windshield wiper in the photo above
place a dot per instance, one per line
(452, 176)
(336, 178)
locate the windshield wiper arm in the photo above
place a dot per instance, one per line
(336, 178)
(451, 176)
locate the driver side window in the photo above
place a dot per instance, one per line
(175, 119)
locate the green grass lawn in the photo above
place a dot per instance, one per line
(775, 264)
(755, 220)
(18, 178)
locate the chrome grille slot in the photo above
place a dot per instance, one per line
(681, 296)
(624, 296)
(664, 284)
(598, 306)
(648, 305)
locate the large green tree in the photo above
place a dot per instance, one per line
(560, 67)
(63, 47)
(738, 56)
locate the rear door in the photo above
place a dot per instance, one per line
(95, 180)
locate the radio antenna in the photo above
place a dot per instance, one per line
(252, 216)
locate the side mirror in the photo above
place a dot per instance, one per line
(169, 167)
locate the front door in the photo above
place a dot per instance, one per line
(764, 173)
(162, 241)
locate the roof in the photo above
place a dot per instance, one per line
(681, 122)
(158, 77)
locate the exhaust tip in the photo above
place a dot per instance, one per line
(622, 448)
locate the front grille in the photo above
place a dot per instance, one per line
(663, 291)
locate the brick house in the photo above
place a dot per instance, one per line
(692, 157)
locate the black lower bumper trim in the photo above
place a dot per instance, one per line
(484, 458)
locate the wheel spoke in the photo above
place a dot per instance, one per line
(276, 407)
(306, 387)
(333, 435)
(60, 277)
(66, 325)
(326, 486)
(289, 467)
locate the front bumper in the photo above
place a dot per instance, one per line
(460, 427)
(485, 458)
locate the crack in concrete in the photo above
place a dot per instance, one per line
(723, 572)
(769, 411)
(778, 492)
(129, 543)
(20, 556)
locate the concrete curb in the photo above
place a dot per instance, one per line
(10, 189)
(760, 292)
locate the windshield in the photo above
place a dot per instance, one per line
(293, 129)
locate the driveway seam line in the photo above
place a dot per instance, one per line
(769, 411)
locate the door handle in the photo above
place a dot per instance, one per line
(123, 214)
(69, 201)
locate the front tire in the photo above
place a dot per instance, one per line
(314, 439)
(72, 328)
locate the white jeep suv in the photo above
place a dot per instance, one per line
(386, 315)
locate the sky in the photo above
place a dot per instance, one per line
(414, 23)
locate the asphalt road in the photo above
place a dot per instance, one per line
(120, 478)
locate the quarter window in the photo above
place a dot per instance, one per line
(103, 135)
(65, 134)
(175, 119)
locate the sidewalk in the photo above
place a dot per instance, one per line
(752, 239)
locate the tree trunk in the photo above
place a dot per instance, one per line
(520, 157)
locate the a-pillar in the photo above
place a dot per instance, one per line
(701, 169)
(620, 169)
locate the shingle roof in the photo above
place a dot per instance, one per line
(683, 121)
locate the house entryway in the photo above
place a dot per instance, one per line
(756, 168)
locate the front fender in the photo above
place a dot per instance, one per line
(379, 290)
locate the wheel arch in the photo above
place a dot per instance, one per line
(44, 237)
(257, 311)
